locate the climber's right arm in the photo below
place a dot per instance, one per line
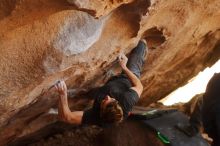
(64, 111)
(73, 117)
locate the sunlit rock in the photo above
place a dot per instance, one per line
(42, 41)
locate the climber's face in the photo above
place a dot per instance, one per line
(106, 101)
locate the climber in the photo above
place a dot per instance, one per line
(211, 109)
(208, 111)
(114, 100)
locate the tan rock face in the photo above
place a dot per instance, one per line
(42, 41)
(98, 8)
(192, 39)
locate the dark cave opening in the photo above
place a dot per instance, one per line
(154, 37)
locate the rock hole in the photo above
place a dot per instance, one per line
(154, 37)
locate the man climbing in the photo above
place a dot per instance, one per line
(114, 100)
(207, 112)
(211, 109)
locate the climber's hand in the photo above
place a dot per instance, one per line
(122, 60)
(61, 87)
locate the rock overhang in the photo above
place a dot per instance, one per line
(38, 51)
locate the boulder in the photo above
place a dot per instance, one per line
(42, 41)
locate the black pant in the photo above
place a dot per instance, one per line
(211, 109)
(212, 127)
(136, 59)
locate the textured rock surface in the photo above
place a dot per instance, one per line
(42, 41)
(98, 8)
(192, 34)
(78, 33)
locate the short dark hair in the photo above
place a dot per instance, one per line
(112, 113)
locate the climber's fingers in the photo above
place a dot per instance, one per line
(61, 87)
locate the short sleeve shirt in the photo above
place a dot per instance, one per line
(119, 88)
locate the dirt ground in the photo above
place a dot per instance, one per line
(84, 136)
(129, 133)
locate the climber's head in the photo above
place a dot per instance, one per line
(111, 111)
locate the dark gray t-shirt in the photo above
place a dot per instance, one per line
(118, 87)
